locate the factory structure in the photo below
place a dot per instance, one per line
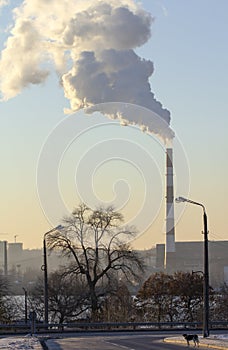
(188, 256)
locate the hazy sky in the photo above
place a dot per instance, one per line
(51, 160)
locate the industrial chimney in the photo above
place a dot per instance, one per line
(5, 258)
(170, 229)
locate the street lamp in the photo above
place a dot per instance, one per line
(206, 267)
(44, 268)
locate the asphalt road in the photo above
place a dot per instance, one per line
(120, 341)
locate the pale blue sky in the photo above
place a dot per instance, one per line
(189, 49)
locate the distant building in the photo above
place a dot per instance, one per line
(189, 256)
(3, 258)
(15, 252)
(149, 259)
(14, 260)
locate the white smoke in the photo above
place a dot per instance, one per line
(3, 3)
(91, 44)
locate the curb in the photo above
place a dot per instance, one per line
(209, 343)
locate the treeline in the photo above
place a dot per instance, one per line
(161, 298)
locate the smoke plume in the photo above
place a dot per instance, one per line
(91, 44)
(3, 3)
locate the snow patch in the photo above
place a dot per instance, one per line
(16, 343)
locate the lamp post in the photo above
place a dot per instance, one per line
(26, 305)
(206, 267)
(44, 268)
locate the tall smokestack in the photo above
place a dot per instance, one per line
(5, 258)
(170, 229)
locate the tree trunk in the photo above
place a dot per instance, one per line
(94, 304)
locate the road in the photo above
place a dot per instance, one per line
(130, 341)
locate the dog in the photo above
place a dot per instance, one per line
(193, 337)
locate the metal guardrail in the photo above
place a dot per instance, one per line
(32, 328)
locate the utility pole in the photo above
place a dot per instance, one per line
(26, 305)
(206, 278)
(45, 282)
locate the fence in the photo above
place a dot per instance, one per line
(33, 327)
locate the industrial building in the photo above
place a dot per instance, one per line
(189, 256)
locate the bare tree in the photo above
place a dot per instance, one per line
(94, 242)
(176, 297)
(118, 306)
(155, 298)
(219, 307)
(189, 288)
(66, 297)
(5, 312)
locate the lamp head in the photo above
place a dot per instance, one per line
(181, 199)
(59, 227)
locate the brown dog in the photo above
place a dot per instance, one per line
(193, 337)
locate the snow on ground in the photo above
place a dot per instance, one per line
(220, 336)
(19, 343)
